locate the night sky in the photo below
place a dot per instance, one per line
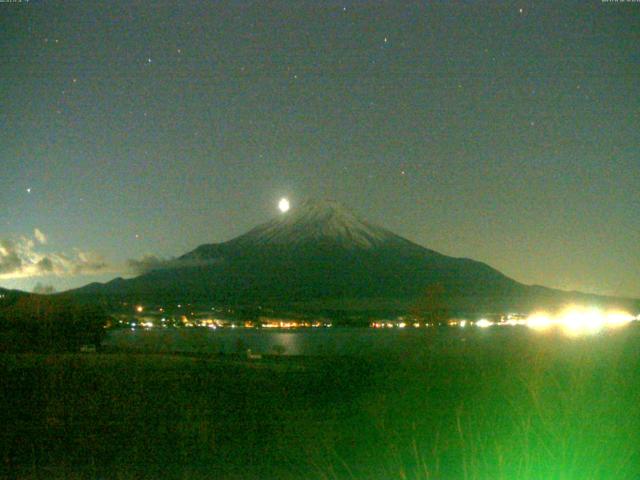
(508, 132)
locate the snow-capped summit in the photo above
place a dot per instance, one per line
(320, 255)
(318, 221)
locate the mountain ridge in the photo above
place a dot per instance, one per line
(322, 252)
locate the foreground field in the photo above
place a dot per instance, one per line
(501, 405)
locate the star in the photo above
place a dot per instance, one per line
(386, 40)
(521, 11)
(28, 189)
(149, 60)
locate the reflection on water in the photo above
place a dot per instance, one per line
(325, 342)
(314, 342)
(573, 321)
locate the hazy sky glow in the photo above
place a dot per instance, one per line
(507, 132)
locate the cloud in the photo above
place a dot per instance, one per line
(45, 265)
(10, 260)
(86, 262)
(149, 263)
(20, 258)
(40, 237)
(43, 289)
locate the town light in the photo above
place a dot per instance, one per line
(483, 323)
(539, 321)
(578, 320)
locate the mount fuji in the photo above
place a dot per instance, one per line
(321, 255)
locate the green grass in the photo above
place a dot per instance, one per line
(497, 406)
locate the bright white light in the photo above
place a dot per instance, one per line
(539, 321)
(463, 323)
(578, 320)
(284, 205)
(618, 319)
(483, 323)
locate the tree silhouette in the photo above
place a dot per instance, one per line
(38, 323)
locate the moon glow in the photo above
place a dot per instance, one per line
(283, 205)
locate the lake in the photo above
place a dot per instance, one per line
(451, 403)
(337, 341)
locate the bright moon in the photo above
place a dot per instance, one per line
(283, 205)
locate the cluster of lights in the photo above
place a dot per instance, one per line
(397, 325)
(573, 320)
(214, 324)
(292, 324)
(484, 323)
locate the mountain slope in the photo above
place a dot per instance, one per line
(8, 297)
(321, 253)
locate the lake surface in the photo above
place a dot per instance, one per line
(323, 341)
(316, 341)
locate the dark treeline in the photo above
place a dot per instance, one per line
(35, 323)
